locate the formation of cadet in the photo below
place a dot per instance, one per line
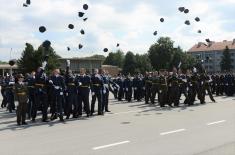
(166, 88)
(68, 95)
(57, 94)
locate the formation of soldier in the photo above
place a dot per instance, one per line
(60, 95)
(66, 95)
(167, 87)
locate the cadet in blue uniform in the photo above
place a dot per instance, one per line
(3, 92)
(128, 88)
(59, 86)
(10, 82)
(71, 93)
(40, 93)
(30, 80)
(138, 87)
(97, 85)
(120, 83)
(83, 82)
(113, 87)
(105, 91)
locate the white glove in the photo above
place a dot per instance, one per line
(44, 64)
(93, 93)
(104, 91)
(68, 63)
(126, 89)
(11, 83)
(50, 81)
(135, 88)
(57, 87)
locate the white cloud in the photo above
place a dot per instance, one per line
(130, 23)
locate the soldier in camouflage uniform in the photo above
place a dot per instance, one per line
(173, 88)
(21, 95)
(148, 85)
(162, 90)
(155, 85)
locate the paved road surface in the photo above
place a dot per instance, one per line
(130, 129)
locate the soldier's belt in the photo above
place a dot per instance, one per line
(148, 81)
(21, 94)
(155, 83)
(84, 86)
(71, 84)
(96, 85)
(163, 84)
(30, 86)
(39, 85)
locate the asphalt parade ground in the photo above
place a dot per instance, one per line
(129, 129)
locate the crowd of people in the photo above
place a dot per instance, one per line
(66, 95)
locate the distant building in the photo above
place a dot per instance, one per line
(76, 63)
(211, 53)
(112, 70)
(6, 68)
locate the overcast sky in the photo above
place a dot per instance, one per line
(128, 22)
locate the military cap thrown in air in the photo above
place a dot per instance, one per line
(80, 46)
(106, 50)
(85, 7)
(71, 26)
(42, 29)
(155, 33)
(181, 9)
(81, 14)
(46, 44)
(186, 11)
(28, 2)
(82, 32)
(197, 19)
(208, 40)
(187, 22)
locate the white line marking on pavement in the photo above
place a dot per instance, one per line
(109, 145)
(217, 122)
(169, 132)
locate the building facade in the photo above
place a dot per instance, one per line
(112, 70)
(7, 69)
(77, 63)
(212, 53)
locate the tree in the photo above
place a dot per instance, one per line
(188, 62)
(32, 59)
(177, 58)
(160, 53)
(130, 64)
(27, 61)
(115, 59)
(143, 63)
(3, 62)
(226, 61)
(53, 58)
(96, 56)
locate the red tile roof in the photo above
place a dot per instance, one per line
(215, 46)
